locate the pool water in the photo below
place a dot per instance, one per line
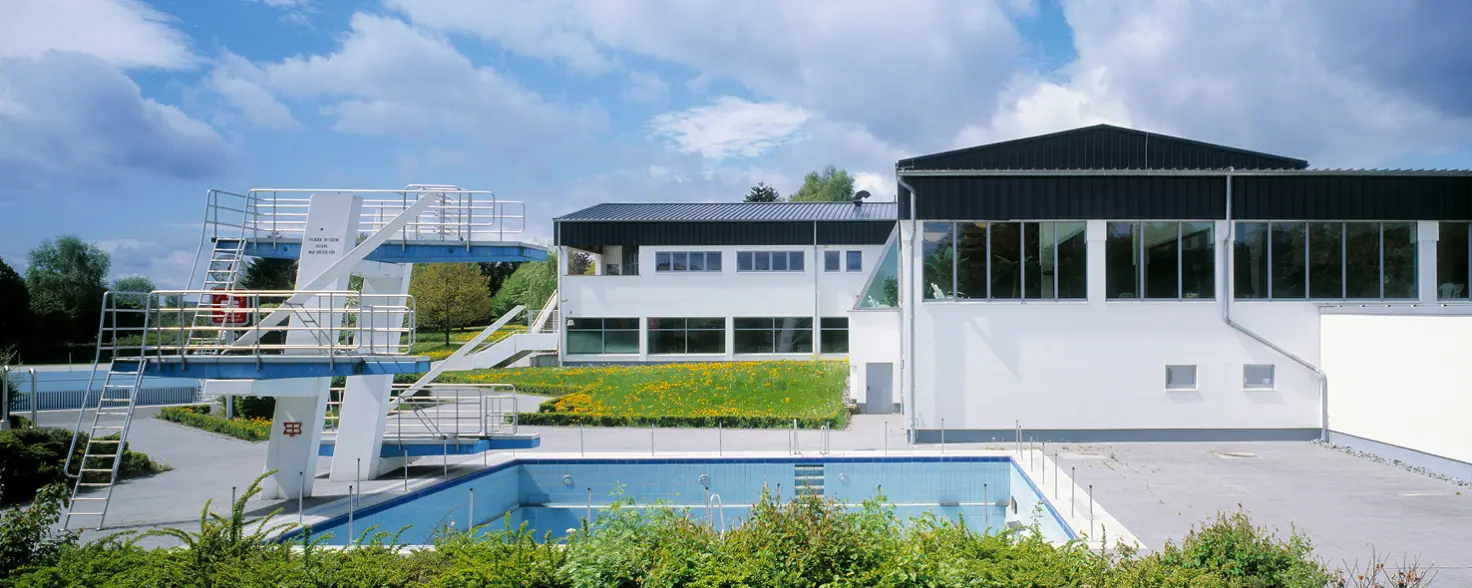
(554, 495)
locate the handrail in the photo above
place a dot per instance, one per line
(452, 215)
(484, 411)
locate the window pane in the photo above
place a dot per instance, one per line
(706, 323)
(1257, 377)
(830, 261)
(666, 324)
(840, 322)
(1362, 260)
(585, 324)
(705, 341)
(744, 262)
(1032, 260)
(1250, 260)
(1326, 260)
(667, 341)
(937, 252)
(662, 261)
(1400, 260)
(1198, 261)
(1073, 265)
(971, 260)
(1289, 269)
(1451, 261)
(884, 286)
(697, 261)
(584, 342)
(779, 261)
(1162, 260)
(1121, 256)
(621, 341)
(679, 261)
(753, 323)
(763, 260)
(1006, 261)
(835, 340)
(795, 261)
(855, 261)
(753, 341)
(621, 324)
(1180, 377)
(794, 335)
(713, 261)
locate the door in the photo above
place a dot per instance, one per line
(879, 388)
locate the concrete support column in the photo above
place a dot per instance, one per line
(1427, 234)
(1096, 231)
(301, 403)
(364, 412)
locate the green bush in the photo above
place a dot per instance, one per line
(255, 429)
(33, 457)
(254, 407)
(28, 537)
(836, 421)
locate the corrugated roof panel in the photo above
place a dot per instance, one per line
(1100, 147)
(736, 211)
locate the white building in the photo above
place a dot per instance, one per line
(1098, 284)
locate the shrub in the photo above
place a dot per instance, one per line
(1231, 546)
(253, 407)
(256, 429)
(28, 537)
(33, 457)
(835, 421)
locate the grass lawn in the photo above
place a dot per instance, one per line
(738, 394)
(432, 343)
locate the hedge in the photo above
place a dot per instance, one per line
(32, 457)
(544, 417)
(253, 429)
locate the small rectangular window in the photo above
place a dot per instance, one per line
(779, 262)
(662, 261)
(744, 261)
(794, 261)
(681, 261)
(713, 261)
(855, 261)
(1257, 377)
(1180, 377)
(831, 261)
(834, 334)
(767, 261)
(763, 261)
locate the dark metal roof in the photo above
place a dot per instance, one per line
(1099, 147)
(585, 234)
(736, 211)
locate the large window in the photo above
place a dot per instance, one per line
(1159, 261)
(687, 261)
(769, 261)
(687, 335)
(1326, 260)
(834, 335)
(1005, 260)
(1452, 261)
(774, 335)
(591, 336)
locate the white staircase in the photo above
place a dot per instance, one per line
(221, 273)
(102, 456)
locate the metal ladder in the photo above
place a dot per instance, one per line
(113, 417)
(222, 272)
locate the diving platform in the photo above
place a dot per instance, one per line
(411, 448)
(245, 367)
(412, 251)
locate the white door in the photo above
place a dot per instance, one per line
(879, 388)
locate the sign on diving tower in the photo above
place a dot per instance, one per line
(291, 344)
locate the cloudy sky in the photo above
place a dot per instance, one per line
(116, 116)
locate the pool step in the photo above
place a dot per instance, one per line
(807, 479)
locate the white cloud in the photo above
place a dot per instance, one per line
(731, 127)
(297, 12)
(239, 82)
(167, 264)
(390, 78)
(645, 87)
(125, 33)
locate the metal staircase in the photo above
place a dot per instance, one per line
(102, 456)
(221, 273)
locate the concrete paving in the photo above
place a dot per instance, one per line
(1157, 490)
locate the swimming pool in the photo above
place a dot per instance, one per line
(988, 492)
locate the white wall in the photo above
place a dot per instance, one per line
(727, 293)
(873, 337)
(1402, 379)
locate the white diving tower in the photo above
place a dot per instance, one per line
(291, 344)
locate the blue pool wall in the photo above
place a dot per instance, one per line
(538, 482)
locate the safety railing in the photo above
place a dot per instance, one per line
(442, 411)
(456, 215)
(162, 323)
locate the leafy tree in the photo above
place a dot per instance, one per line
(530, 285)
(761, 192)
(496, 273)
(15, 307)
(449, 295)
(264, 273)
(133, 284)
(830, 185)
(66, 279)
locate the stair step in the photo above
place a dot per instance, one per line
(76, 498)
(98, 471)
(92, 485)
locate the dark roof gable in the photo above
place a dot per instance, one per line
(736, 211)
(1099, 147)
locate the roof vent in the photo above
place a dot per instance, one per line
(860, 196)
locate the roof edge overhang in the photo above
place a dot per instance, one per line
(954, 173)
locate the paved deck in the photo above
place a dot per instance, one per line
(1158, 490)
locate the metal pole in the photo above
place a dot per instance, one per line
(301, 490)
(358, 474)
(1019, 438)
(581, 452)
(5, 402)
(1091, 510)
(405, 452)
(986, 498)
(651, 438)
(232, 497)
(1055, 474)
(886, 437)
(470, 524)
(447, 459)
(35, 399)
(1045, 463)
(351, 512)
(590, 510)
(720, 450)
(1072, 488)
(942, 435)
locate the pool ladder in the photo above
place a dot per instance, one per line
(808, 479)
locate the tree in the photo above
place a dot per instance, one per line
(496, 273)
(15, 307)
(449, 296)
(66, 279)
(830, 185)
(264, 273)
(761, 192)
(531, 285)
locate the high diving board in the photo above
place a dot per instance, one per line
(247, 367)
(413, 251)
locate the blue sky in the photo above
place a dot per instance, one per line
(117, 115)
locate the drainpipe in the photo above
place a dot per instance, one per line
(1230, 243)
(911, 303)
(817, 315)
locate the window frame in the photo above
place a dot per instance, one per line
(602, 331)
(836, 257)
(824, 329)
(1466, 227)
(1343, 260)
(1195, 378)
(775, 330)
(1272, 380)
(954, 241)
(788, 256)
(685, 329)
(1137, 232)
(849, 257)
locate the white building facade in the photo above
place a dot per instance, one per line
(1106, 284)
